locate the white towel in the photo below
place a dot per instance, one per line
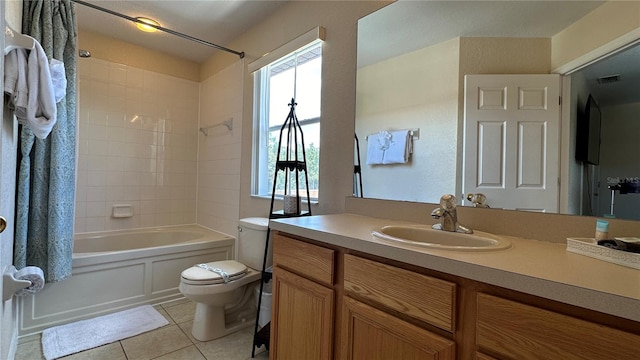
(38, 112)
(15, 78)
(33, 274)
(58, 79)
(377, 144)
(399, 148)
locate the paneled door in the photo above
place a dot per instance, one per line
(511, 140)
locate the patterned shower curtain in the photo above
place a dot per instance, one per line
(46, 174)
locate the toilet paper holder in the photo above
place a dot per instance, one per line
(10, 284)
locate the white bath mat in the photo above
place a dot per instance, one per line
(82, 335)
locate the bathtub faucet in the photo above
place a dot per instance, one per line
(448, 216)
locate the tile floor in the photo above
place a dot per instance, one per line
(170, 342)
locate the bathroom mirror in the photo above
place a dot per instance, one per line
(423, 39)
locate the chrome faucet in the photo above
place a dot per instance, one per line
(478, 200)
(448, 216)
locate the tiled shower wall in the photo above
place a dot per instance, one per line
(219, 153)
(137, 145)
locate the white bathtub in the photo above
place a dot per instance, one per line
(117, 270)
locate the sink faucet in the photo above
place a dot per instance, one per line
(448, 216)
(478, 200)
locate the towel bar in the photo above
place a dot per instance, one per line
(228, 123)
(415, 134)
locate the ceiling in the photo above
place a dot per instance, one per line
(221, 21)
(626, 89)
(394, 29)
(215, 21)
(394, 32)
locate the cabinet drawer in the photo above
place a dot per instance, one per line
(312, 261)
(422, 297)
(517, 331)
(369, 333)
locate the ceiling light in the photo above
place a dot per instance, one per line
(146, 28)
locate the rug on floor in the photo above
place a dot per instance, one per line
(82, 335)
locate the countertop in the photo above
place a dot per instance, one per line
(534, 267)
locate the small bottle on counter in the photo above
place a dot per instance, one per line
(602, 230)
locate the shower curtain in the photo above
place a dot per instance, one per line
(46, 173)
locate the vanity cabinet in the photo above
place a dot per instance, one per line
(511, 330)
(331, 302)
(389, 288)
(422, 297)
(303, 301)
(372, 334)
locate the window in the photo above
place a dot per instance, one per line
(296, 75)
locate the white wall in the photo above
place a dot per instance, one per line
(338, 91)
(418, 90)
(219, 153)
(137, 145)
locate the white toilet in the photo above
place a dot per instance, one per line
(225, 307)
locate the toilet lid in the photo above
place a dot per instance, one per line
(202, 275)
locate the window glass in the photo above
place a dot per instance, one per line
(297, 76)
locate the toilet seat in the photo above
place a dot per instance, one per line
(199, 276)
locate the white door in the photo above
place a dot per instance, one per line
(511, 140)
(8, 151)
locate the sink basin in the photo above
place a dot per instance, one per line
(425, 236)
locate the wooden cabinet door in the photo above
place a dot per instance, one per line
(371, 334)
(302, 326)
(512, 330)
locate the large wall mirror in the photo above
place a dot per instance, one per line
(412, 59)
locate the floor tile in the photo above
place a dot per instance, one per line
(164, 313)
(236, 346)
(261, 352)
(191, 353)
(111, 351)
(260, 356)
(183, 312)
(186, 329)
(31, 350)
(155, 343)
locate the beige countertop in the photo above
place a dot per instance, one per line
(534, 267)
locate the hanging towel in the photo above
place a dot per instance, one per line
(376, 146)
(399, 149)
(15, 78)
(58, 79)
(34, 105)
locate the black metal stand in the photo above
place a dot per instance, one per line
(291, 161)
(357, 172)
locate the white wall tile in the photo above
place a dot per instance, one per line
(128, 120)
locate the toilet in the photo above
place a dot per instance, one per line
(226, 307)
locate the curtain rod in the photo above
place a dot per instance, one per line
(172, 32)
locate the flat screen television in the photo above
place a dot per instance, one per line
(588, 133)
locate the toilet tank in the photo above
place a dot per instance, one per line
(252, 236)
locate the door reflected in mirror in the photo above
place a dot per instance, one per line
(412, 59)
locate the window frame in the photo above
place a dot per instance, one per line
(260, 162)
